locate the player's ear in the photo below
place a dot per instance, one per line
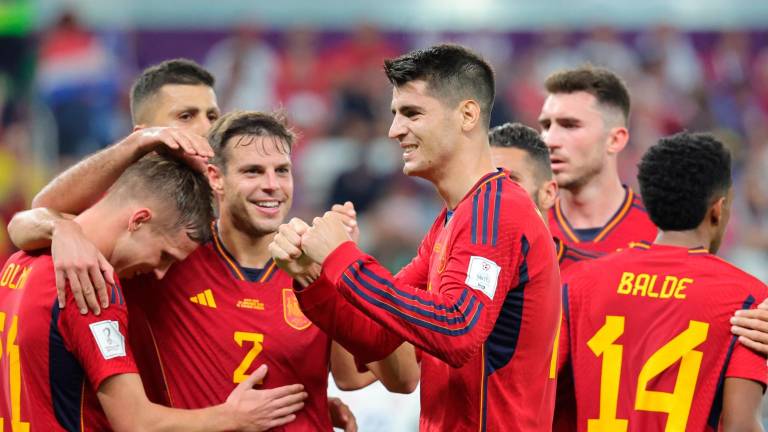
(215, 178)
(717, 211)
(470, 114)
(547, 194)
(138, 218)
(617, 139)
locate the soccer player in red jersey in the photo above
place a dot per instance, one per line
(66, 371)
(584, 124)
(259, 322)
(520, 150)
(481, 298)
(647, 328)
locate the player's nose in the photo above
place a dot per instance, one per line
(397, 128)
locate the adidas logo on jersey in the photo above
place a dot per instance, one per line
(204, 298)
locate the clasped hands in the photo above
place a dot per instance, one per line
(300, 249)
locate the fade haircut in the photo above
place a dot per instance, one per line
(609, 90)
(453, 73)
(681, 177)
(171, 182)
(153, 78)
(245, 125)
(520, 136)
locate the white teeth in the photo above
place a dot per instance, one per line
(268, 204)
(408, 149)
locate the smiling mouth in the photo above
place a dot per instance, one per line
(270, 204)
(409, 148)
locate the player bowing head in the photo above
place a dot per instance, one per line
(161, 210)
(251, 172)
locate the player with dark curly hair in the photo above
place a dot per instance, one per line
(679, 292)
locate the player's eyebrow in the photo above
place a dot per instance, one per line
(406, 109)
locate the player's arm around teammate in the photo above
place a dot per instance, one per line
(79, 187)
(128, 409)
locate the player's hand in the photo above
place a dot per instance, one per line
(76, 259)
(188, 146)
(751, 326)
(260, 410)
(341, 415)
(326, 234)
(349, 218)
(286, 249)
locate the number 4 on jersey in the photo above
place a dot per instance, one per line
(676, 404)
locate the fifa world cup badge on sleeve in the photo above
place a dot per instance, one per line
(483, 275)
(109, 339)
(292, 313)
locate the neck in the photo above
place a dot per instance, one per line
(593, 204)
(687, 239)
(455, 178)
(97, 222)
(249, 250)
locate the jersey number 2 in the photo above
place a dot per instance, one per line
(676, 404)
(257, 339)
(11, 352)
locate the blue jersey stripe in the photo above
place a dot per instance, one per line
(409, 318)
(66, 378)
(486, 205)
(496, 211)
(474, 216)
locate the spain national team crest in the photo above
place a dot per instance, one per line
(292, 313)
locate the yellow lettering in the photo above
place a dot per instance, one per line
(641, 284)
(681, 286)
(12, 285)
(651, 292)
(7, 274)
(625, 286)
(670, 282)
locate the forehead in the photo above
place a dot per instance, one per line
(412, 93)
(177, 96)
(257, 150)
(578, 104)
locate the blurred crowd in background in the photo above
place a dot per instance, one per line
(64, 94)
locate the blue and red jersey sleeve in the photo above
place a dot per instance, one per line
(452, 319)
(344, 323)
(99, 343)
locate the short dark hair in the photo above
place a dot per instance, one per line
(248, 123)
(681, 176)
(176, 71)
(168, 180)
(607, 87)
(520, 136)
(451, 72)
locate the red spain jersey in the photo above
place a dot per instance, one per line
(629, 224)
(209, 323)
(60, 356)
(481, 300)
(648, 337)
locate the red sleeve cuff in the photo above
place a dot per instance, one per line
(338, 261)
(316, 293)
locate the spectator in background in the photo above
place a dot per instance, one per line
(77, 79)
(245, 67)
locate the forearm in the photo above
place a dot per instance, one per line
(157, 418)
(82, 185)
(741, 405)
(447, 322)
(366, 339)
(399, 372)
(344, 371)
(33, 229)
